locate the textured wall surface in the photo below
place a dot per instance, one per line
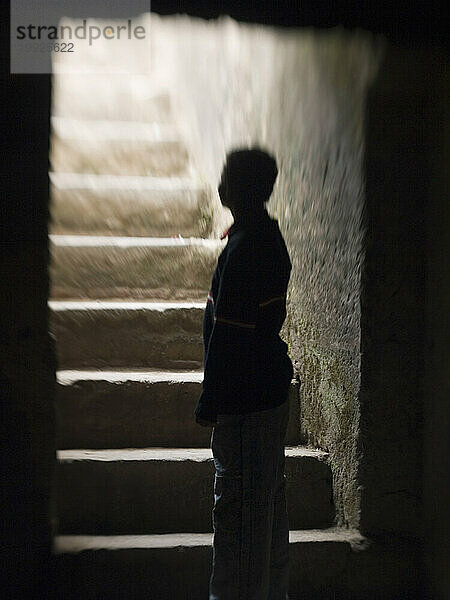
(302, 96)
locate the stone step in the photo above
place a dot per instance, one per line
(112, 131)
(113, 183)
(116, 147)
(324, 564)
(120, 333)
(132, 206)
(101, 267)
(119, 158)
(113, 409)
(109, 96)
(166, 490)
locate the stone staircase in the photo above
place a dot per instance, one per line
(131, 264)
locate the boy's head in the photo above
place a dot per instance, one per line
(248, 177)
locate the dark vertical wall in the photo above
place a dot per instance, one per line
(393, 298)
(27, 367)
(436, 476)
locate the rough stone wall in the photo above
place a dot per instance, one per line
(302, 96)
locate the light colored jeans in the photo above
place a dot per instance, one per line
(250, 520)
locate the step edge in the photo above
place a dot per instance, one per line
(122, 305)
(71, 544)
(68, 377)
(157, 454)
(61, 240)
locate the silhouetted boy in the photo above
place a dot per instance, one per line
(247, 373)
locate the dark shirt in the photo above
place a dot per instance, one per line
(246, 365)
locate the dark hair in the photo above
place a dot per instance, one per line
(250, 174)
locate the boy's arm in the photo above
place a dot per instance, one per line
(231, 349)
